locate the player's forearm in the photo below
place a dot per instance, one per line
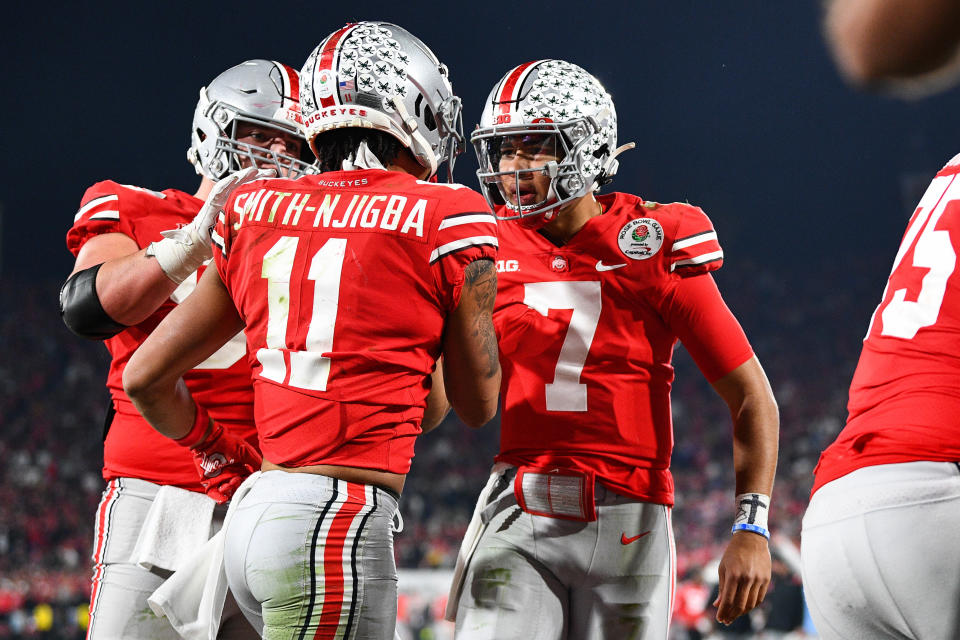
(168, 407)
(471, 357)
(437, 404)
(756, 426)
(132, 287)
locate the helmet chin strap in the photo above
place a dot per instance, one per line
(411, 128)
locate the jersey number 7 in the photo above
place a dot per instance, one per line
(566, 393)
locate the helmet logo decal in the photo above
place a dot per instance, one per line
(640, 239)
(323, 87)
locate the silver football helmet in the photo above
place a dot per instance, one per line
(380, 76)
(558, 106)
(258, 92)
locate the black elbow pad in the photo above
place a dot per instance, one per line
(81, 310)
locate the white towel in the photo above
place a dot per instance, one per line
(192, 599)
(471, 538)
(362, 158)
(178, 522)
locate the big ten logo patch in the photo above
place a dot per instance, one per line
(507, 265)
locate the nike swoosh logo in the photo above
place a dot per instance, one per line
(625, 540)
(608, 267)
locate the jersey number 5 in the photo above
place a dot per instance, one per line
(932, 250)
(309, 369)
(566, 393)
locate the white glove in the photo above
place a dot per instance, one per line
(183, 250)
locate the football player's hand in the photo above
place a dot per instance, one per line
(744, 576)
(183, 250)
(199, 229)
(224, 461)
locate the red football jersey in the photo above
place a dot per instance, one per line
(344, 281)
(905, 395)
(587, 332)
(134, 449)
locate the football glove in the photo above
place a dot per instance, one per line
(224, 461)
(183, 250)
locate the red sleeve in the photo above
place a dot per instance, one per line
(697, 314)
(695, 249)
(221, 238)
(461, 238)
(224, 231)
(99, 213)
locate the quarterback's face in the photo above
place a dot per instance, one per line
(275, 140)
(526, 154)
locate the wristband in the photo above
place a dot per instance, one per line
(197, 433)
(752, 511)
(179, 254)
(750, 527)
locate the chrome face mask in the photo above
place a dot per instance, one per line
(544, 145)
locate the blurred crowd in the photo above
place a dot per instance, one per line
(806, 328)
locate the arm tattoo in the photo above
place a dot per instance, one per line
(481, 280)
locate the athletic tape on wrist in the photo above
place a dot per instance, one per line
(179, 257)
(752, 512)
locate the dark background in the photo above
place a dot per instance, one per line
(735, 106)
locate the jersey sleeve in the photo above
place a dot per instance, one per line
(221, 237)
(99, 213)
(695, 249)
(223, 234)
(462, 237)
(697, 314)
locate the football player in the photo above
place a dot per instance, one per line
(879, 551)
(572, 534)
(350, 285)
(126, 278)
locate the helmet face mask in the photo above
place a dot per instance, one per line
(546, 98)
(262, 94)
(378, 75)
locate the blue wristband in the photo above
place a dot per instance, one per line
(751, 527)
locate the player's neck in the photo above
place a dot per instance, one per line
(407, 163)
(572, 218)
(206, 184)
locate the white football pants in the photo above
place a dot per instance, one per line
(309, 556)
(120, 588)
(881, 553)
(542, 578)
